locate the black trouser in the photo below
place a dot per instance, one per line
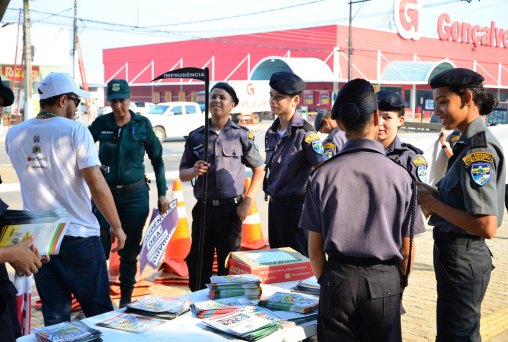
(9, 324)
(283, 220)
(133, 210)
(359, 303)
(462, 267)
(223, 232)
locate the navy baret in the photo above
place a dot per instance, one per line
(351, 92)
(389, 100)
(287, 83)
(458, 77)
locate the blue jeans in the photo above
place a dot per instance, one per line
(80, 269)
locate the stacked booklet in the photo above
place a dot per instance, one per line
(131, 323)
(247, 285)
(68, 331)
(214, 308)
(48, 227)
(308, 286)
(295, 302)
(160, 307)
(245, 324)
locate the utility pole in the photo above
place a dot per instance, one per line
(74, 35)
(27, 48)
(350, 40)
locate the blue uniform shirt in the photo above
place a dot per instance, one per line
(334, 142)
(360, 202)
(228, 152)
(475, 180)
(410, 158)
(290, 158)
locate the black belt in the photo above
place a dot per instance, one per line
(359, 261)
(288, 200)
(463, 239)
(224, 201)
(125, 189)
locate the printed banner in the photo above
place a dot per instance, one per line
(157, 236)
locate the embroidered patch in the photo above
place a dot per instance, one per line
(420, 161)
(421, 171)
(328, 150)
(115, 87)
(310, 139)
(480, 172)
(478, 157)
(455, 138)
(317, 146)
(251, 136)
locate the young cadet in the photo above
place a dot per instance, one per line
(231, 148)
(391, 118)
(335, 139)
(359, 208)
(293, 149)
(467, 206)
(124, 137)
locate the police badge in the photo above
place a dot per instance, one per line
(481, 172)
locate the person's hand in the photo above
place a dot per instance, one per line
(23, 259)
(200, 168)
(44, 258)
(119, 235)
(427, 196)
(442, 136)
(162, 204)
(242, 210)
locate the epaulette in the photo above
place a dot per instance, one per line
(197, 129)
(413, 148)
(308, 127)
(479, 140)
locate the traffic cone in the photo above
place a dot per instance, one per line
(174, 268)
(252, 234)
(114, 266)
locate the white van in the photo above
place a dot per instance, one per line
(175, 119)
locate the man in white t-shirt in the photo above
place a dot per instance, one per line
(58, 167)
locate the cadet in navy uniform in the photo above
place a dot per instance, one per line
(467, 206)
(335, 139)
(391, 118)
(358, 210)
(230, 148)
(293, 149)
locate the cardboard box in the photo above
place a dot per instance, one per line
(271, 265)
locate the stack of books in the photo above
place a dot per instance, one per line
(68, 331)
(214, 308)
(308, 286)
(245, 324)
(160, 307)
(295, 302)
(247, 285)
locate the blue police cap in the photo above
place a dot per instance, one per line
(228, 89)
(6, 93)
(389, 100)
(287, 83)
(456, 78)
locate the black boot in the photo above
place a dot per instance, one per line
(125, 296)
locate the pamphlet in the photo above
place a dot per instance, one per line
(161, 307)
(290, 302)
(67, 331)
(131, 323)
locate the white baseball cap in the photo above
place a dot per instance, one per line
(59, 83)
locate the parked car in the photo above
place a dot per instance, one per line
(175, 119)
(499, 115)
(141, 107)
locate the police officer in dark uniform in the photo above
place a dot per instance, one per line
(231, 148)
(391, 118)
(359, 208)
(124, 138)
(335, 139)
(293, 149)
(467, 206)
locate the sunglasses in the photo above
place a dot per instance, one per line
(76, 100)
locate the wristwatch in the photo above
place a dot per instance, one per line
(445, 145)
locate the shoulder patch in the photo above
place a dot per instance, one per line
(419, 161)
(312, 137)
(478, 157)
(251, 135)
(328, 149)
(481, 172)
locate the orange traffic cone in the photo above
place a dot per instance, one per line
(252, 234)
(174, 267)
(114, 266)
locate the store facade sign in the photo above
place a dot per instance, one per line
(17, 73)
(407, 16)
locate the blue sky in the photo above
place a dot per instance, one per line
(115, 23)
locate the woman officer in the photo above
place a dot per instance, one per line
(359, 207)
(468, 206)
(232, 147)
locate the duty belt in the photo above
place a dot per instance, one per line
(462, 239)
(224, 201)
(128, 188)
(359, 261)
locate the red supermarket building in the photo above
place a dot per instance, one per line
(401, 61)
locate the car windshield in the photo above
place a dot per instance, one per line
(158, 109)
